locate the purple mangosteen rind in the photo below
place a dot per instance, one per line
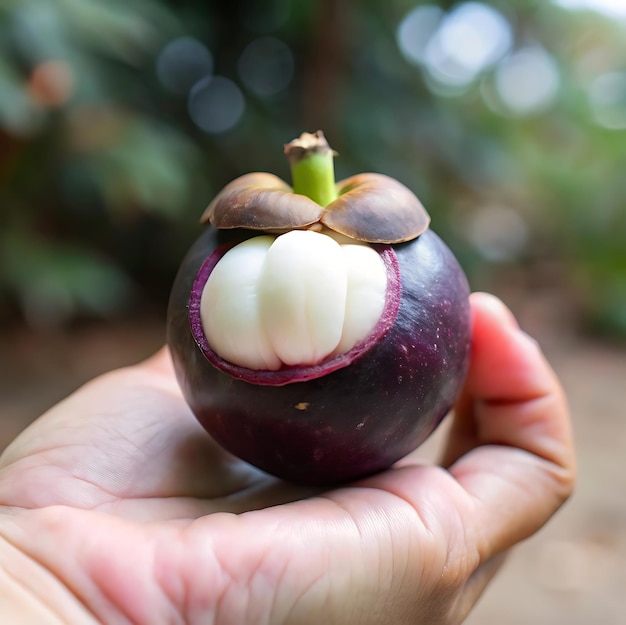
(353, 421)
(354, 414)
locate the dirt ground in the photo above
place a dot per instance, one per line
(573, 571)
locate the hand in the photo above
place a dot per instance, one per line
(118, 508)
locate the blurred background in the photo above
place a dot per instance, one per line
(119, 120)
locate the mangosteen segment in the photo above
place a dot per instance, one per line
(291, 302)
(229, 307)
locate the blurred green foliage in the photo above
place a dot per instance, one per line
(119, 120)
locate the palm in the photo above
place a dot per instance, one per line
(139, 481)
(128, 444)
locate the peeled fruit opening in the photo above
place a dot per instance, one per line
(295, 299)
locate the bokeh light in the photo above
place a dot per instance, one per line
(527, 82)
(607, 96)
(182, 63)
(416, 30)
(216, 104)
(266, 66)
(463, 43)
(612, 8)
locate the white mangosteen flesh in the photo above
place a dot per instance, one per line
(292, 300)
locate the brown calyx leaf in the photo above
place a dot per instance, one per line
(377, 209)
(261, 201)
(371, 207)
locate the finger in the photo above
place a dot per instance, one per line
(511, 385)
(463, 436)
(476, 585)
(521, 466)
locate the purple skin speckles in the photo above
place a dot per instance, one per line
(354, 420)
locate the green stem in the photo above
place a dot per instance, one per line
(312, 168)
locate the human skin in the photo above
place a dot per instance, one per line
(118, 508)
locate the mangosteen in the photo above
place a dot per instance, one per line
(320, 332)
